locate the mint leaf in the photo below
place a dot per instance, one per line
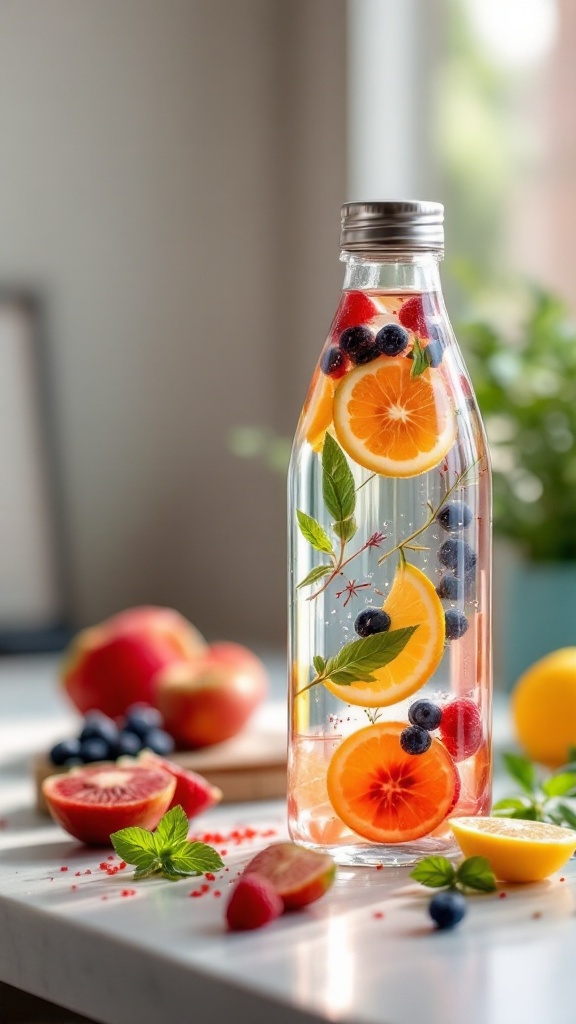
(196, 859)
(319, 664)
(476, 873)
(568, 816)
(314, 575)
(146, 872)
(167, 851)
(515, 807)
(345, 529)
(135, 845)
(313, 532)
(337, 481)
(435, 872)
(172, 829)
(563, 784)
(420, 359)
(356, 661)
(523, 771)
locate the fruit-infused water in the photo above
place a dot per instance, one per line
(389, 563)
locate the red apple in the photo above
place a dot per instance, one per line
(210, 698)
(112, 665)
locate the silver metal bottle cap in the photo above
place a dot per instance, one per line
(396, 225)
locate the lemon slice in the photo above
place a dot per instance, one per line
(412, 601)
(518, 851)
(392, 423)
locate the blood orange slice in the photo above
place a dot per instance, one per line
(392, 423)
(193, 792)
(92, 802)
(385, 794)
(412, 601)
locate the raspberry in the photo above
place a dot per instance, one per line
(254, 902)
(461, 728)
(411, 315)
(355, 308)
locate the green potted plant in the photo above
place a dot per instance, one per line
(523, 365)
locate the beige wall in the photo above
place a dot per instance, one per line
(170, 179)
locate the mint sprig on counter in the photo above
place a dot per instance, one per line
(439, 873)
(550, 798)
(167, 851)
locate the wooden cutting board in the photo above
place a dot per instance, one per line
(250, 766)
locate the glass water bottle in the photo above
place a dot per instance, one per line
(389, 561)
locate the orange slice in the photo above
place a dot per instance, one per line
(391, 423)
(317, 415)
(386, 795)
(518, 850)
(412, 601)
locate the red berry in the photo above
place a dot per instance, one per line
(355, 308)
(461, 728)
(411, 315)
(254, 902)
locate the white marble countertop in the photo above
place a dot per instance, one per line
(364, 954)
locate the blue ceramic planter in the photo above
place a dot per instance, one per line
(539, 614)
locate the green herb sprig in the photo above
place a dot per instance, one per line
(550, 798)
(339, 494)
(167, 851)
(357, 661)
(473, 873)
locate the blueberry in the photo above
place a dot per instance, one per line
(159, 741)
(434, 352)
(359, 344)
(98, 726)
(62, 752)
(415, 740)
(372, 620)
(456, 554)
(447, 909)
(128, 743)
(333, 362)
(450, 587)
(455, 516)
(391, 339)
(456, 624)
(425, 714)
(142, 717)
(95, 748)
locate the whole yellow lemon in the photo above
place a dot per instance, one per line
(544, 708)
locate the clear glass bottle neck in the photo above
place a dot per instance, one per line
(418, 272)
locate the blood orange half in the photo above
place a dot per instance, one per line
(385, 794)
(92, 802)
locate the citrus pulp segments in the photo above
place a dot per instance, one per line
(385, 794)
(518, 850)
(412, 601)
(392, 423)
